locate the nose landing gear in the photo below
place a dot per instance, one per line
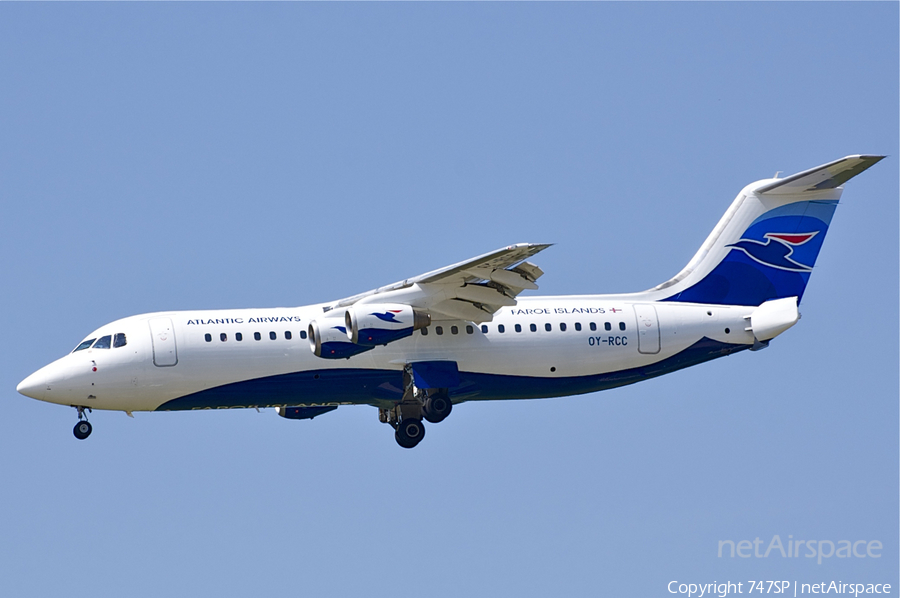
(83, 428)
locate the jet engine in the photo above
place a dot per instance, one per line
(328, 340)
(371, 324)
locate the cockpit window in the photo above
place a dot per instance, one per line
(103, 342)
(84, 345)
(119, 340)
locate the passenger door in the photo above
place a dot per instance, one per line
(162, 334)
(648, 328)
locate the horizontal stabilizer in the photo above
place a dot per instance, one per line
(828, 176)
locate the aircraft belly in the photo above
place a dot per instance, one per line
(343, 383)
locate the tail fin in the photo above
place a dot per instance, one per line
(766, 244)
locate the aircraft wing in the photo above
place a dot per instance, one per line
(827, 176)
(470, 290)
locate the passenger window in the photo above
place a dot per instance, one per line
(425, 332)
(562, 326)
(238, 336)
(533, 327)
(454, 330)
(578, 326)
(256, 336)
(607, 326)
(287, 334)
(223, 337)
(518, 328)
(484, 328)
(548, 327)
(469, 329)
(119, 340)
(439, 330)
(621, 325)
(207, 337)
(103, 342)
(593, 326)
(501, 328)
(303, 334)
(273, 336)
(84, 345)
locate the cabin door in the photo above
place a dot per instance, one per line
(648, 328)
(162, 335)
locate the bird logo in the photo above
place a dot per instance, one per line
(389, 316)
(776, 251)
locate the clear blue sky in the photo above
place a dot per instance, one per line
(190, 156)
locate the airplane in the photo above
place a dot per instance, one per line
(417, 348)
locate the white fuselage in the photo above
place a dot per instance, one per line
(602, 335)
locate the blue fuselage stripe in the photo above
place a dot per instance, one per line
(370, 386)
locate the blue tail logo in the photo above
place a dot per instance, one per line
(777, 249)
(772, 259)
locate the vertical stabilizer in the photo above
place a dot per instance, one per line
(766, 244)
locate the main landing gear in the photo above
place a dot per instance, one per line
(437, 406)
(406, 419)
(410, 432)
(83, 428)
(432, 405)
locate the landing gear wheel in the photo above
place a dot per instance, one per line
(82, 430)
(437, 408)
(410, 432)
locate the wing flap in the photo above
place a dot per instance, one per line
(470, 290)
(496, 260)
(457, 309)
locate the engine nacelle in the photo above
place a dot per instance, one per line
(372, 324)
(328, 340)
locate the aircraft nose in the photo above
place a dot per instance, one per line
(34, 386)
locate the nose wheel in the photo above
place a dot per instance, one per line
(83, 428)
